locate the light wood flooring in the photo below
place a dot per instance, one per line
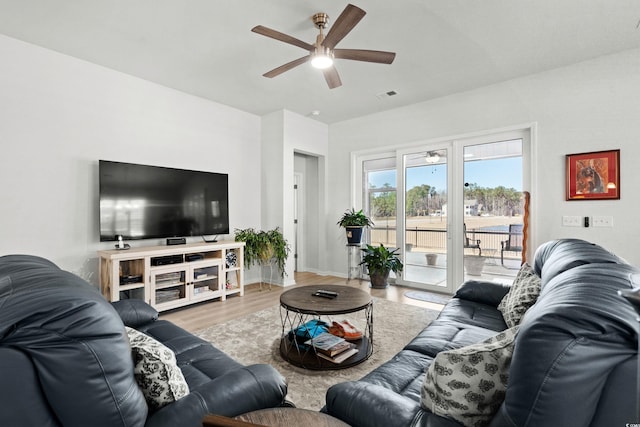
(214, 312)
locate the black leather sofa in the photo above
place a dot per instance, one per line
(574, 361)
(65, 358)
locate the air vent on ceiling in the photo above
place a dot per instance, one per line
(388, 94)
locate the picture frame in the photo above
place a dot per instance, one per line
(593, 176)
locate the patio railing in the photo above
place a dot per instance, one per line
(435, 240)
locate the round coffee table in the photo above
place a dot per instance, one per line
(299, 305)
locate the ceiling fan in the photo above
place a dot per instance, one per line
(322, 53)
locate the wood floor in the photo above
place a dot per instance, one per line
(214, 312)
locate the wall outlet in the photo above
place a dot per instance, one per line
(602, 221)
(571, 221)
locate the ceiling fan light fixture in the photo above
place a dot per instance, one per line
(432, 157)
(321, 60)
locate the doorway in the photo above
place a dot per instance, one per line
(306, 213)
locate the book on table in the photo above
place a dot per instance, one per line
(324, 341)
(331, 347)
(336, 349)
(340, 357)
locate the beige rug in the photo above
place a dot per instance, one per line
(256, 338)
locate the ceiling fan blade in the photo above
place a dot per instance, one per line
(332, 77)
(268, 32)
(378, 56)
(348, 19)
(286, 67)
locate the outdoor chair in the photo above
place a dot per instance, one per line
(467, 241)
(513, 243)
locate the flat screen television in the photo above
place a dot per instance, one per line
(145, 202)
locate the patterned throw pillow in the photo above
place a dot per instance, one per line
(523, 294)
(468, 384)
(156, 370)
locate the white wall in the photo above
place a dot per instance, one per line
(60, 115)
(283, 134)
(589, 106)
(309, 137)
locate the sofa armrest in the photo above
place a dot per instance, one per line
(244, 390)
(240, 391)
(490, 293)
(135, 312)
(362, 404)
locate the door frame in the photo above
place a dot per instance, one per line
(299, 224)
(455, 267)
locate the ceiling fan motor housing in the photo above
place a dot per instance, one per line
(320, 20)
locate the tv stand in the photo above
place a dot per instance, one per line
(173, 276)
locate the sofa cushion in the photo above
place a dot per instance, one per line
(468, 384)
(156, 370)
(448, 334)
(523, 294)
(473, 313)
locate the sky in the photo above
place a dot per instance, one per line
(486, 173)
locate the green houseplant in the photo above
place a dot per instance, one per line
(380, 261)
(264, 248)
(353, 222)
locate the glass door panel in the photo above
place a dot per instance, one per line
(493, 210)
(425, 218)
(380, 200)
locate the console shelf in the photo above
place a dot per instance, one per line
(168, 277)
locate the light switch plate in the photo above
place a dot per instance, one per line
(602, 221)
(572, 221)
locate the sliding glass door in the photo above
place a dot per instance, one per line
(454, 209)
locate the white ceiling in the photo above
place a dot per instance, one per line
(206, 48)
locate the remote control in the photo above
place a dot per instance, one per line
(318, 294)
(322, 291)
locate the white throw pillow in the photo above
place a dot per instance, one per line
(156, 370)
(523, 294)
(468, 384)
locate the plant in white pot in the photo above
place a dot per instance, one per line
(380, 261)
(353, 222)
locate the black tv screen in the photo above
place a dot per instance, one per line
(145, 202)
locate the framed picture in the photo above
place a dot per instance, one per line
(593, 176)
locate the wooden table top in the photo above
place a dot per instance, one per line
(288, 417)
(302, 300)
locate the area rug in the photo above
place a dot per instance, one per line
(427, 296)
(255, 339)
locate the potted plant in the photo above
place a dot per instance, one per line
(380, 261)
(353, 222)
(264, 248)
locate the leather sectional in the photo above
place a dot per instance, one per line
(574, 361)
(65, 359)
